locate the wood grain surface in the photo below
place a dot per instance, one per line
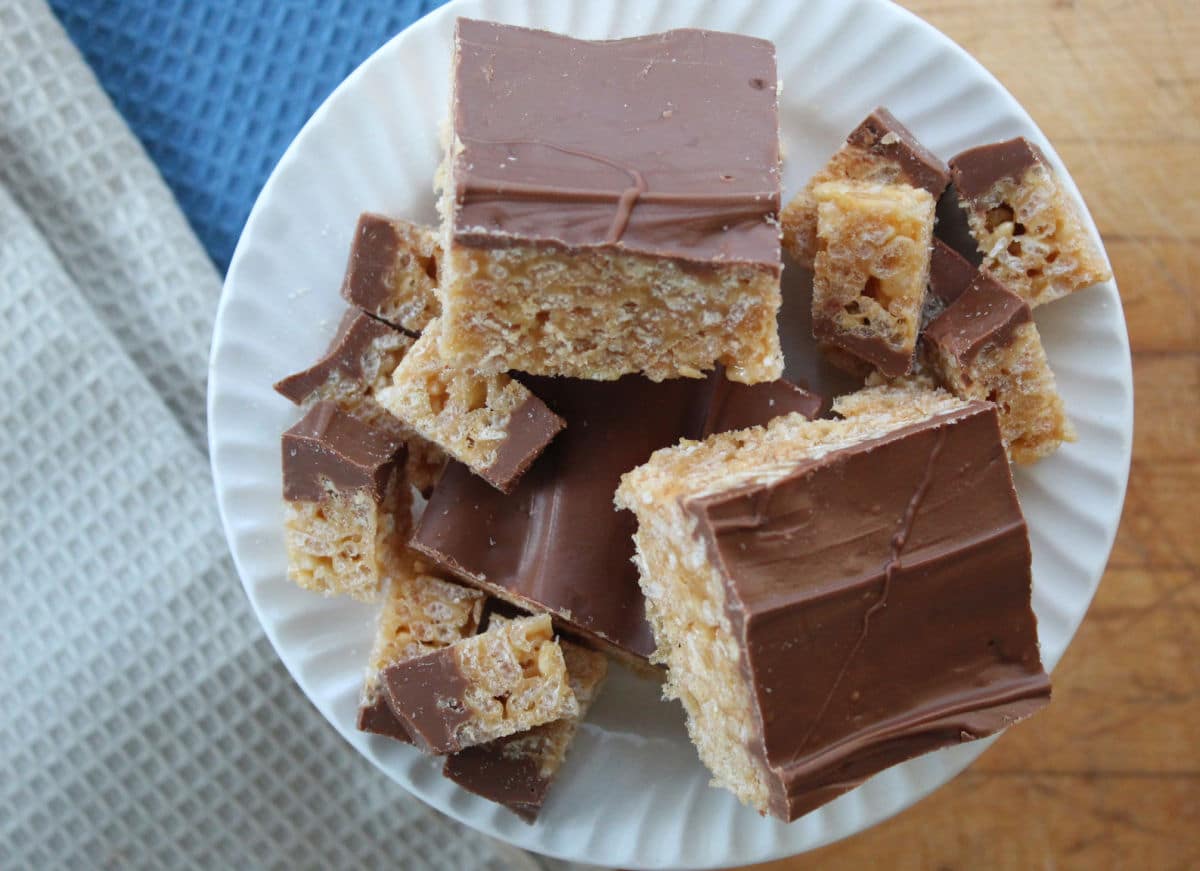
(1109, 775)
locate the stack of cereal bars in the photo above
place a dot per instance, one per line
(553, 430)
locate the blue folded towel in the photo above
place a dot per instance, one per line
(216, 89)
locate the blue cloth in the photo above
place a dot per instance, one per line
(216, 89)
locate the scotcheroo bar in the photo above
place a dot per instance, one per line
(986, 346)
(880, 150)
(490, 423)
(502, 681)
(421, 613)
(357, 365)
(598, 231)
(519, 770)
(346, 502)
(833, 597)
(871, 270)
(1025, 223)
(393, 271)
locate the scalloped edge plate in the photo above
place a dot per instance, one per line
(633, 793)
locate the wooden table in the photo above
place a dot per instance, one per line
(1109, 775)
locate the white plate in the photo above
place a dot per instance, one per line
(633, 793)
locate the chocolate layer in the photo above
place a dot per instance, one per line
(874, 349)
(881, 598)
(514, 780)
(666, 145)
(986, 314)
(977, 170)
(375, 716)
(428, 694)
(343, 359)
(884, 136)
(531, 427)
(953, 228)
(556, 543)
(949, 273)
(378, 251)
(328, 445)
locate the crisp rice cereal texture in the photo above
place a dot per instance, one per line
(1017, 377)
(348, 543)
(601, 315)
(849, 163)
(404, 291)
(465, 412)
(685, 592)
(421, 612)
(1033, 239)
(872, 268)
(516, 679)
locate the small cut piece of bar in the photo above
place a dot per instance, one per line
(871, 270)
(503, 681)
(1025, 222)
(986, 346)
(518, 771)
(490, 423)
(393, 270)
(357, 365)
(598, 231)
(421, 612)
(834, 597)
(880, 150)
(347, 504)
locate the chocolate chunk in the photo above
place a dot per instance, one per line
(514, 780)
(884, 136)
(738, 406)
(531, 427)
(953, 228)
(372, 261)
(375, 716)
(880, 594)
(430, 690)
(986, 314)
(556, 543)
(664, 145)
(329, 445)
(977, 170)
(344, 357)
(949, 273)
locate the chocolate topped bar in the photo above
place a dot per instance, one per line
(986, 314)
(531, 426)
(919, 633)
(985, 345)
(506, 680)
(625, 143)
(328, 445)
(347, 359)
(392, 271)
(977, 170)
(833, 597)
(555, 543)
(883, 136)
(519, 770)
(1026, 224)
(611, 207)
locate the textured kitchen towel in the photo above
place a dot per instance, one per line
(216, 89)
(145, 721)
